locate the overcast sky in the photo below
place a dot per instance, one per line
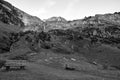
(69, 9)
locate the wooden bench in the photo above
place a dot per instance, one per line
(15, 64)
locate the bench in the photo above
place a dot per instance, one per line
(15, 64)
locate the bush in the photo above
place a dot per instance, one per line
(2, 62)
(21, 57)
(105, 67)
(117, 67)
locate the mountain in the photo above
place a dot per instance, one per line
(106, 25)
(98, 19)
(94, 39)
(14, 16)
(13, 21)
(56, 19)
(8, 14)
(56, 23)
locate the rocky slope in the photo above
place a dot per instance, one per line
(56, 19)
(8, 35)
(12, 21)
(8, 14)
(97, 37)
(56, 23)
(98, 21)
(14, 16)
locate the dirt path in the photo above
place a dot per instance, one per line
(38, 68)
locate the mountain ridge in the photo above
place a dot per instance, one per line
(12, 15)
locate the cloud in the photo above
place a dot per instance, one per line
(50, 3)
(70, 8)
(41, 11)
(71, 5)
(44, 8)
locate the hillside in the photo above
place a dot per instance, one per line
(89, 46)
(6, 36)
(59, 34)
(12, 21)
(14, 16)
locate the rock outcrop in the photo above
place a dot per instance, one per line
(14, 16)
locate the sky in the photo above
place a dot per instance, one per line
(69, 9)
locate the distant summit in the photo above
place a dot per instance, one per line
(56, 19)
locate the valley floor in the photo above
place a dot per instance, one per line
(35, 71)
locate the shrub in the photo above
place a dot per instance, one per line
(2, 62)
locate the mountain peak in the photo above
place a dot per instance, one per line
(56, 19)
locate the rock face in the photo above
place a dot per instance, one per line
(56, 23)
(102, 26)
(56, 19)
(27, 19)
(8, 14)
(99, 19)
(14, 16)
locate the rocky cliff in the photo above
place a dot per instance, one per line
(14, 16)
